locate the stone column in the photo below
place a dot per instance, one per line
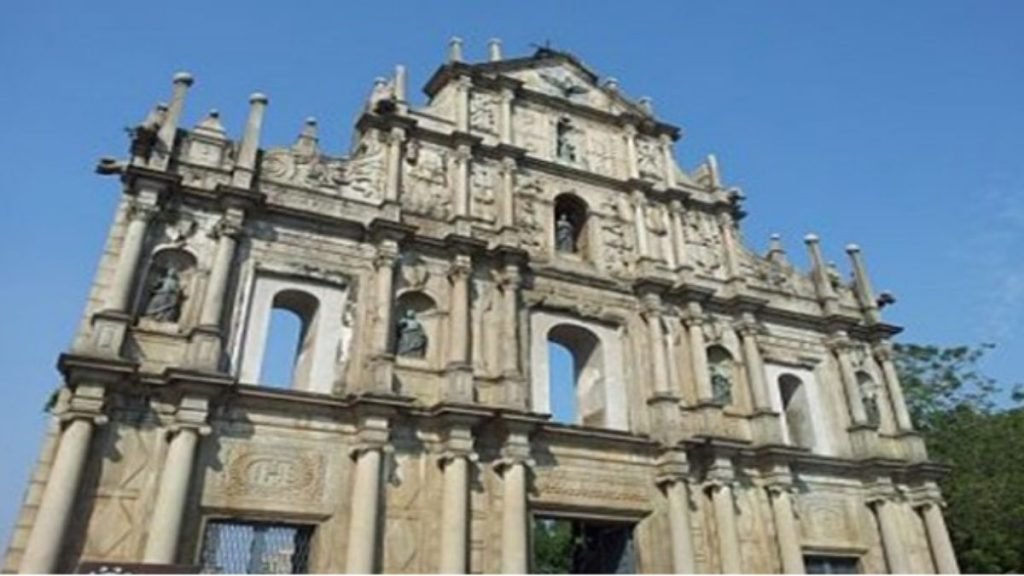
(460, 370)
(652, 303)
(632, 168)
(140, 211)
(699, 353)
(883, 353)
(725, 521)
(748, 329)
(169, 510)
(639, 200)
(393, 181)
(462, 87)
(455, 518)
(507, 208)
(226, 231)
(785, 528)
(505, 116)
(938, 539)
(892, 542)
(732, 253)
(841, 349)
(461, 159)
(513, 467)
(669, 161)
(678, 234)
(510, 281)
(677, 492)
(387, 256)
(245, 165)
(42, 551)
(365, 498)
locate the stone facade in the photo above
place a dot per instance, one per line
(735, 413)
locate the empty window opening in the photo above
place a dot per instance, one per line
(722, 373)
(796, 411)
(869, 396)
(288, 354)
(576, 377)
(831, 564)
(238, 547)
(578, 546)
(570, 225)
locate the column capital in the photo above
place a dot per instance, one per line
(84, 402)
(508, 164)
(748, 325)
(460, 268)
(395, 135)
(884, 350)
(374, 434)
(142, 210)
(840, 341)
(229, 225)
(386, 256)
(651, 303)
(672, 467)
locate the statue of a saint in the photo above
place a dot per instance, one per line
(164, 303)
(412, 339)
(721, 387)
(564, 148)
(871, 409)
(565, 234)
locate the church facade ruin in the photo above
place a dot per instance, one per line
(727, 411)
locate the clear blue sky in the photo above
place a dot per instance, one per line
(897, 125)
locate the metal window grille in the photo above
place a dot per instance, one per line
(239, 547)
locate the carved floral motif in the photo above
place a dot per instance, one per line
(482, 111)
(483, 196)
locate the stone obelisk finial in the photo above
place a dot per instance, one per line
(862, 283)
(169, 127)
(245, 166)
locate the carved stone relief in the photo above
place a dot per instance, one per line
(283, 474)
(528, 216)
(704, 241)
(619, 246)
(426, 183)
(483, 111)
(482, 192)
(587, 487)
(649, 159)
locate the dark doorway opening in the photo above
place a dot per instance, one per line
(582, 546)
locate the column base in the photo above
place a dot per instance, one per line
(864, 440)
(382, 375)
(109, 330)
(515, 390)
(766, 427)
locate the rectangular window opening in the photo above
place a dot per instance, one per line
(820, 564)
(581, 546)
(249, 547)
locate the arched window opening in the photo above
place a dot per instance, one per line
(585, 387)
(288, 353)
(412, 330)
(721, 370)
(795, 410)
(570, 225)
(869, 396)
(562, 374)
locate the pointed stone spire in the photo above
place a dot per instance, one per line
(307, 143)
(862, 285)
(245, 165)
(169, 127)
(211, 126)
(455, 49)
(494, 49)
(776, 253)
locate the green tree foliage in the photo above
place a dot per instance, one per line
(968, 425)
(552, 546)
